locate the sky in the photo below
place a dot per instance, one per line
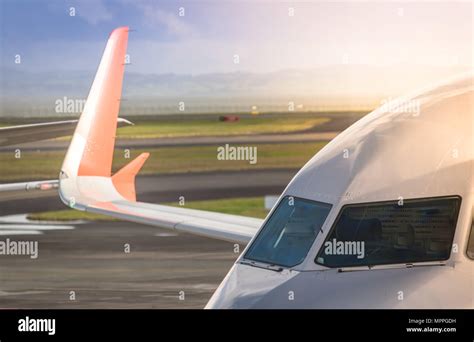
(262, 33)
(198, 38)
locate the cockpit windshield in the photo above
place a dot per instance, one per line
(392, 232)
(289, 233)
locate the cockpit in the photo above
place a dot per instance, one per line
(363, 234)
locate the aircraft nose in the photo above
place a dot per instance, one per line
(248, 287)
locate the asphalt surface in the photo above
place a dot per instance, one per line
(91, 261)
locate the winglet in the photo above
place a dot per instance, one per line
(92, 146)
(124, 179)
(85, 176)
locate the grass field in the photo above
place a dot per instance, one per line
(46, 165)
(213, 127)
(253, 207)
(69, 215)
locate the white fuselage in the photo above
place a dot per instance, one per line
(388, 155)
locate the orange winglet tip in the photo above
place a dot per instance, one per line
(124, 179)
(119, 29)
(97, 124)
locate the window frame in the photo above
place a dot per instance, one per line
(255, 262)
(364, 204)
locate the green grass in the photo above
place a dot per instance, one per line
(247, 206)
(45, 165)
(252, 207)
(69, 215)
(213, 127)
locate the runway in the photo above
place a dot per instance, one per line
(162, 270)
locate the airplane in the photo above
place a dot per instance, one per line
(381, 217)
(20, 134)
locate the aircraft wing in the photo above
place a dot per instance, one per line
(27, 190)
(225, 227)
(14, 135)
(86, 182)
(30, 186)
(20, 134)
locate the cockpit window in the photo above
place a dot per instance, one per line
(289, 233)
(391, 233)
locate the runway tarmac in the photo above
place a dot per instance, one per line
(91, 261)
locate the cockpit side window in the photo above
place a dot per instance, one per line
(391, 232)
(289, 233)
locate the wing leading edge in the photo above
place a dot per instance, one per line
(14, 135)
(86, 182)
